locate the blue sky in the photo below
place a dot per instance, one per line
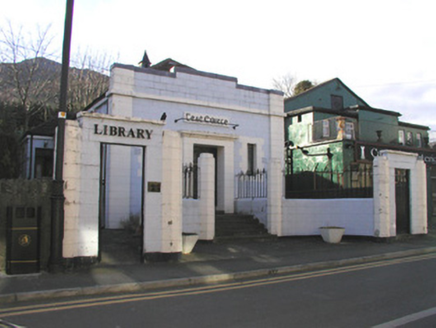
(384, 50)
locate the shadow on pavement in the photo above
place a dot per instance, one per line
(119, 246)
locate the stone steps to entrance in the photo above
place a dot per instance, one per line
(243, 227)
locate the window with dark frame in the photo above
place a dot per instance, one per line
(251, 152)
(337, 102)
(409, 138)
(401, 140)
(43, 163)
(418, 140)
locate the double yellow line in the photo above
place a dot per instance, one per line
(120, 299)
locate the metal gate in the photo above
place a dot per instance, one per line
(23, 240)
(402, 201)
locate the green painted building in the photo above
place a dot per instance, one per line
(330, 129)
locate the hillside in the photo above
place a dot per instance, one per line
(37, 81)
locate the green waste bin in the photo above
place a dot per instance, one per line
(22, 256)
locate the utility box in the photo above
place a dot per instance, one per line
(23, 225)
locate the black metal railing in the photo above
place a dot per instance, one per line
(251, 185)
(190, 181)
(354, 182)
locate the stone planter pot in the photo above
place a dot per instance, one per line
(332, 235)
(188, 242)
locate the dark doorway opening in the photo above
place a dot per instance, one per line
(402, 201)
(121, 205)
(43, 163)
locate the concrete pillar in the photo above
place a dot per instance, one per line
(384, 192)
(274, 200)
(206, 165)
(381, 197)
(275, 175)
(418, 199)
(163, 240)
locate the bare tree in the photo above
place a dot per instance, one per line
(285, 83)
(288, 85)
(30, 80)
(24, 78)
(88, 79)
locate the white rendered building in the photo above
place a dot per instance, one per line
(125, 155)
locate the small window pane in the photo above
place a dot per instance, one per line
(325, 128)
(401, 137)
(349, 130)
(418, 140)
(250, 158)
(409, 138)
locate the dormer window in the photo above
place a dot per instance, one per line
(337, 102)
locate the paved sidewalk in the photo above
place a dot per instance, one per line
(213, 262)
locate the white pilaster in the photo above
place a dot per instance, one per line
(206, 166)
(171, 193)
(382, 198)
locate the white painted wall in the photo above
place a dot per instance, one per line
(259, 113)
(118, 185)
(191, 216)
(364, 217)
(306, 216)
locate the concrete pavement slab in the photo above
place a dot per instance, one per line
(212, 263)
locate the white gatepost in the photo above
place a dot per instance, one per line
(206, 166)
(274, 198)
(382, 198)
(163, 211)
(384, 192)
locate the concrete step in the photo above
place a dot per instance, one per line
(235, 226)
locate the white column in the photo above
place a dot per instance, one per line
(418, 199)
(275, 175)
(382, 197)
(171, 193)
(274, 200)
(226, 187)
(206, 165)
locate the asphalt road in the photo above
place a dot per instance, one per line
(394, 293)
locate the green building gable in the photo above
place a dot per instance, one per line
(333, 94)
(330, 129)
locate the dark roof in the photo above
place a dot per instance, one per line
(95, 101)
(349, 112)
(327, 82)
(415, 126)
(376, 110)
(48, 129)
(44, 129)
(168, 64)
